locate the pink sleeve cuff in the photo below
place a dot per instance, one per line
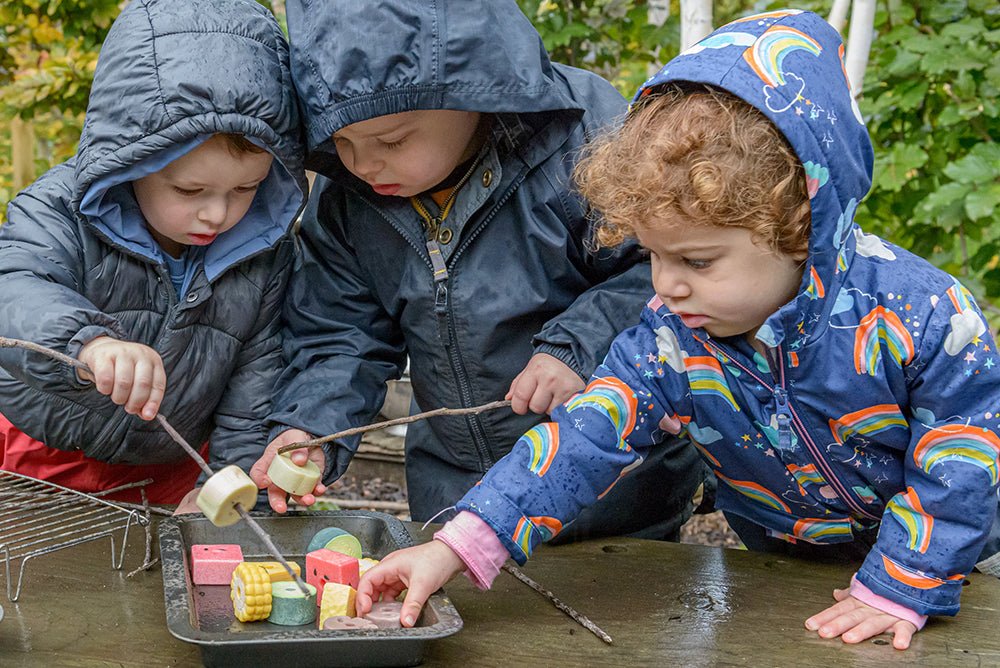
(477, 545)
(867, 596)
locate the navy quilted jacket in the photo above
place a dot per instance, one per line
(170, 74)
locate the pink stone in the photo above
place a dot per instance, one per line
(385, 614)
(214, 564)
(325, 565)
(344, 623)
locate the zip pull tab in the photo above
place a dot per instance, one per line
(784, 417)
(437, 262)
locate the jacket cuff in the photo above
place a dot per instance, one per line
(565, 355)
(477, 545)
(868, 597)
(79, 340)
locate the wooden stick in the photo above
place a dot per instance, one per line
(316, 442)
(174, 434)
(392, 506)
(129, 485)
(573, 614)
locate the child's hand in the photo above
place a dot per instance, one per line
(277, 497)
(855, 621)
(542, 385)
(130, 373)
(189, 503)
(421, 570)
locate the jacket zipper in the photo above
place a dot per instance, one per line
(788, 419)
(458, 367)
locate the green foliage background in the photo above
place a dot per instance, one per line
(931, 100)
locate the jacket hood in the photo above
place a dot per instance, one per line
(170, 75)
(353, 61)
(789, 65)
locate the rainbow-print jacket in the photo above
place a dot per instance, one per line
(877, 404)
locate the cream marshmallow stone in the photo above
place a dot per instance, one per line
(222, 491)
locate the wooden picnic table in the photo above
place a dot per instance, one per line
(664, 604)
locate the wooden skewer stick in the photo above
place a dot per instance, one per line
(573, 614)
(316, 442)
(257, 529)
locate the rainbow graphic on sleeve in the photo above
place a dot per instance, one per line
(522, 535)
(756, 492)
(806, 475)
(867, 422)
(881, 328)
(706, 378)
(914, 578)
(543, 442)
(959, 296)
(548, 527)
(815, 289)
(767, 55)
(612, 398)
(819, 531)
(906, 508)
(960, 443)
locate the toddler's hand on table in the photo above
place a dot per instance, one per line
(542, 385)
(277, 497)
(130, 373)
(855, 622)
(421, 570)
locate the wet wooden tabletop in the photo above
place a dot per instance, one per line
(664, 604)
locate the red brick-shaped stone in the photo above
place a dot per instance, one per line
(325, 565)
(214, 564)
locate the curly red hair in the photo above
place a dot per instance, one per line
(697, 153)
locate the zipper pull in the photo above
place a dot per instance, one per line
(784, 417)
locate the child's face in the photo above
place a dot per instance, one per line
(200, 195)
(718, 278)
(408, 153)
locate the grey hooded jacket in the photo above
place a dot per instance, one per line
(520, 278)
(170, 74)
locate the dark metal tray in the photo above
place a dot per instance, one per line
(203, 614)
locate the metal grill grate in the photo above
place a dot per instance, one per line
(37, 518)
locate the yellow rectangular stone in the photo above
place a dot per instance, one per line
(338, 601)
(277, 572)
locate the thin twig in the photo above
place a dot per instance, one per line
(576, 616)
(120, 488)
(155, 510)
(351, 504)
(316, 442)
(266, 539)
(147, 560)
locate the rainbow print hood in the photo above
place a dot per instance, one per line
(789, 65)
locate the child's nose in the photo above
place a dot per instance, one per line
(669, 284)
(367, 166)
(214, 212)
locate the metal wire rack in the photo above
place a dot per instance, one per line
(37, 518)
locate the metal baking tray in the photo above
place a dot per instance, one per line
(203, 614)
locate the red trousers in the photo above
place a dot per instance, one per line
(22, 454)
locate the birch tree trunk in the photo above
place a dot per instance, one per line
(838, 14)
(859, 43)
(696, 21)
